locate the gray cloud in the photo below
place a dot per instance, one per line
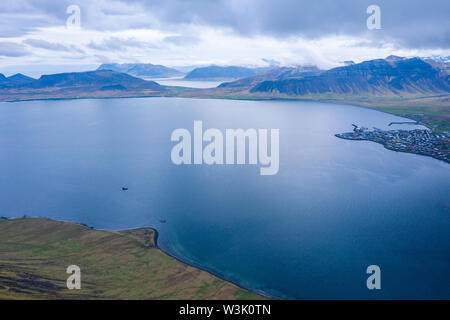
(408, 23)
(411, 23)
(46, 45)
(182, 40)
(18, 17)
(116, 44)
(271, 62)
(43, 44)
(12, 49)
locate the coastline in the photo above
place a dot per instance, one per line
(179, 94)
(190, 263)
(390, 149)
(182, 276)
(195, 265)
(416, 141)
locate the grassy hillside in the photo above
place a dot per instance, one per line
(34, 255)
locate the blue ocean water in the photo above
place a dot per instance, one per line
(309, 232)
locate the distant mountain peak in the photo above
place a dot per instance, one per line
(393, 58)
(393, 76)
(99, 83)
(142, 69)
(19, 77)
(438, 58)
(93, 79)
(221, 72)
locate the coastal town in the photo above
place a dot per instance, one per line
(419, 141)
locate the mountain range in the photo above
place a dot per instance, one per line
(393, 76)
(276, 73)
(385, 78)
(102, 83)
(142, 70)
(220, 72)
(14, 79)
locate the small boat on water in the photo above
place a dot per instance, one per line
(124, 188)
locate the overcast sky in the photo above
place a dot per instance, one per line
(35, 39)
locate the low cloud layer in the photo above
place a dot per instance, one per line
(117, 44)
(12, 49)
(43, 44)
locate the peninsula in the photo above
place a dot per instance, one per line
(35, 252)
(419, 141)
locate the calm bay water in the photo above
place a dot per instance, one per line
(334, 208)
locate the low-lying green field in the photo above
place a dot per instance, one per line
(35, 253)
(434, 117)
(432, 111)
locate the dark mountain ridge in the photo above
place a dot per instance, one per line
(277, 73)
(388, 79)
(20, 78)
(220, 72)
(101, 83)
(15, 79)
(142, 70)
(391, 76)
(93, 80)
